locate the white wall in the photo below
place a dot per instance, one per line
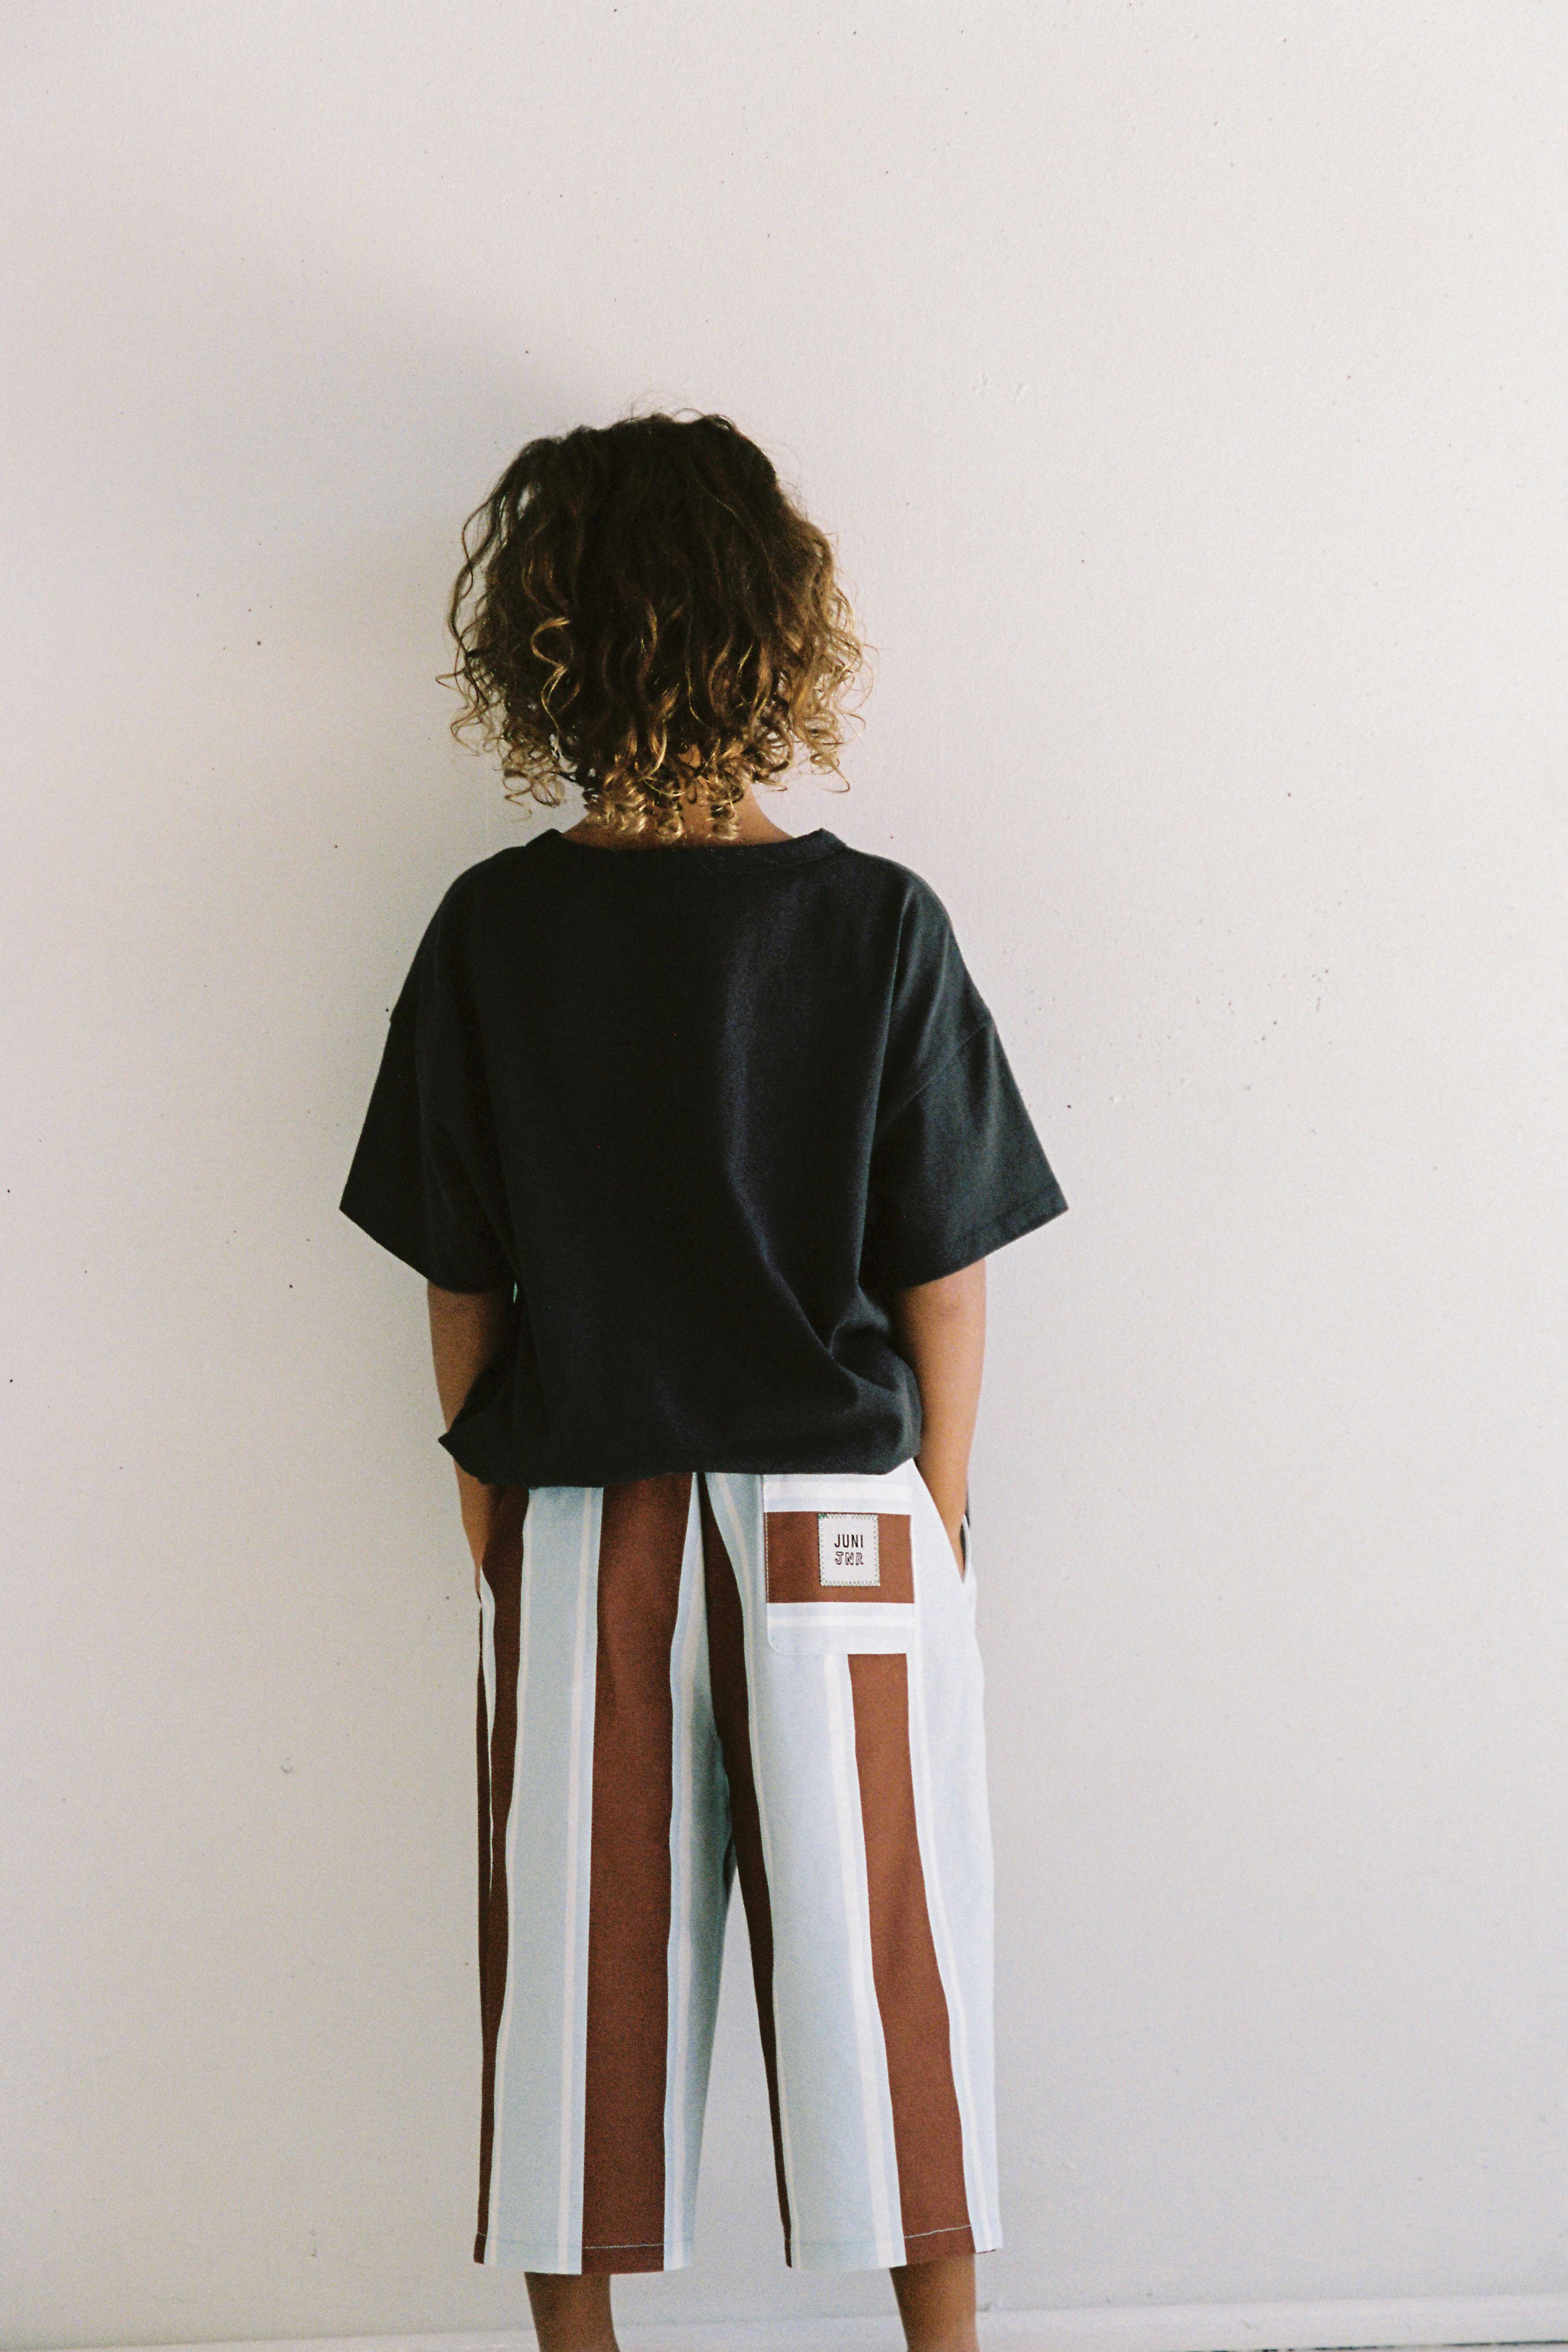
(1183, 387)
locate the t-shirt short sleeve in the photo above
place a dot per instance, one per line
(424, 1181)
(957, 1169)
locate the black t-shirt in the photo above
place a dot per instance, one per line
(701, 1111)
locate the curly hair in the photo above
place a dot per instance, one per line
(652, 618)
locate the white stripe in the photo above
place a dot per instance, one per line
(926, 1836)
(719, 1493)
(869, 2045)
(811, 1629)
(842, 1490)
(564, 2249)
(680, 1953)
(503, 2031)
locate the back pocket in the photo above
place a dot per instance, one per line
(839, 1561)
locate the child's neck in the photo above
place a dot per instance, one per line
(751, 824)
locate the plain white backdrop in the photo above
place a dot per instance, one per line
(1182, 386)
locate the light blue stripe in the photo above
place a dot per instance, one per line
(508, 2003)
(953, 1823)
(579, 1883)
(546, 1952)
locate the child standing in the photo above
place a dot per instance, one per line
(700, 1134)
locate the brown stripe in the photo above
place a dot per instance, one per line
(794, 1570)
(503, 1569)
(929, 2136)
(642, 1533)
(731, 1710)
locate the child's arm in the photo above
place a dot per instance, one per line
(466, 1329)
(941, 1330)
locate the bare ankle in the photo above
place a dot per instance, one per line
(570, 2314)
(936, 2304)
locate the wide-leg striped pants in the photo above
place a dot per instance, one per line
(686, 1678)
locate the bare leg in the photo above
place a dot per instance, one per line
(936, 2304)
(571, 2315)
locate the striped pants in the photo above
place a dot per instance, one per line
(685, 1679)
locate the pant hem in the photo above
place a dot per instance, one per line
(522, 2254)
(860, 2254)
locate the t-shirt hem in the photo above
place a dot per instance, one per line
(1024, 1217)
(494, 1464)
(421, 1263)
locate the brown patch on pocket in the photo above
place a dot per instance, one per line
(789, 1554)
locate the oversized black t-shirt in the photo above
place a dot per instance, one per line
(700, 1112)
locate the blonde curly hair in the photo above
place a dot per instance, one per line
(647, 614)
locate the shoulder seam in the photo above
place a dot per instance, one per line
(915, 1093)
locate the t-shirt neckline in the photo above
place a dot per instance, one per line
(734, 857)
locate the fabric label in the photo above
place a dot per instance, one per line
(847, 1547)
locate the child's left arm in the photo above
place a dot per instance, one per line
(467, 1328)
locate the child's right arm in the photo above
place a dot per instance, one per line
(941, 1330)
(466, 1329)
